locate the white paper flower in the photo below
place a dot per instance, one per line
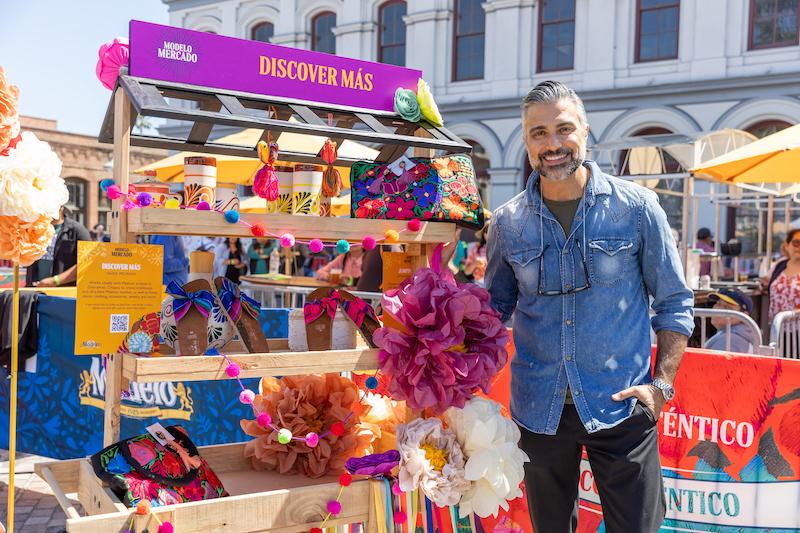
(30, 181)
(431, 460)
(494, 461)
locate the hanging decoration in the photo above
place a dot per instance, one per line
(265, 182)
(112, 57)
(331, 179)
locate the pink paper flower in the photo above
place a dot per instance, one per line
(113, 56)
(453, 342)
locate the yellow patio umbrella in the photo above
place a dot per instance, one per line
(773, 159)
(241, 170)
(339, 206)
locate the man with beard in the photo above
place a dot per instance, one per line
(575, 258)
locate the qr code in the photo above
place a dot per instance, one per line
(119, 323)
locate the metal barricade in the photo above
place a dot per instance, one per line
(784, 334)
(754, 332)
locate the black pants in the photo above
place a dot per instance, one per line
(626, 469)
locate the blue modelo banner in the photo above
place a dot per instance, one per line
(60, 407)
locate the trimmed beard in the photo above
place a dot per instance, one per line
(562, 171)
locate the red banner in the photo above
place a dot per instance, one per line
(730, 449)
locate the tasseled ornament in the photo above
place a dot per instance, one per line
(265, 183)
(331, 179)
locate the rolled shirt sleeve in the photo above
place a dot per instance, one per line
(663, 272)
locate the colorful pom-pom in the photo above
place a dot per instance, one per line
(312, 439)
(105, 184)
(345, 479)
(400, 517)
(166, 527)
(127, 205)
(258, 230)
(264, 420)
(337, 429)
(144, 199)
(203, 206)
(315, 530)
(113, 192)
(232, 217)
(334, 507)
(172, 203)
(342, 246)
(143, 507)
(247, 396)
(414, 225)
(368, 243)
(284, 436)
(396, 490)
(233, 370)
(315, 246)
(392, 235)
(287, 240)
(371, 383)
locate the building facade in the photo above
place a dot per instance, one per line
(641, 66)
(85, 163)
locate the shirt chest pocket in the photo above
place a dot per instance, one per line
(527, 265)
(609, 259)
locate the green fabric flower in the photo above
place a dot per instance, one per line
(405, 103)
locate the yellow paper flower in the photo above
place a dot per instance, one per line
(24, 242)
(427, 105)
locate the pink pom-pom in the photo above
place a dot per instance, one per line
(128, 205)
(113, 192)
(413, 225)
(400, 517)
(258, 230)
(144, 199)
(315, 530)
(166, 527)
(247, 396)
(334, 507)
(287, 240)
(203, 206)
(312, 439)
(264, 420)
(233, 370)
(315, 246)
(112, 56)
(396, 490)
(368, 242)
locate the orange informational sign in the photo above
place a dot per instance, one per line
(117, 284)
(730, 449)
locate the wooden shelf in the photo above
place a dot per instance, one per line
(211, 223)
(143, 369)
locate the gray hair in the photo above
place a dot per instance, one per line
(550, 92)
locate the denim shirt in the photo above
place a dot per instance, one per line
(597, 340)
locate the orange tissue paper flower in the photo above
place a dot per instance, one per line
(24, 242)
(9, 120)
(305, 404)
(383, 416)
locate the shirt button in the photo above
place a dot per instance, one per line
(568, 358)
(576, 393)
(568, 322)
(567, 286)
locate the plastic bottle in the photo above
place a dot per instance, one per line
(274, 261)
(693, 268)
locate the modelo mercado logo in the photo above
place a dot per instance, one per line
(177, 52)
(141, 400)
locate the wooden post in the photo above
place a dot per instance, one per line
(113, 402)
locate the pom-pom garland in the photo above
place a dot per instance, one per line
(172, 203)
(105, 184)
(231, 217)
(143, 507)
(284, 436)
(316, 246)
(345, 479)
(113, 192)
(203, 206)
(258, 230)
(414, 225)
(233, 370)
(371, 383)
(312, 439)
(144, 199)
(287, 240)
(247, 396)
(392, 236)
(368, 243)
(337, 428)
(264, 420)
(334, 507)
(166, 527)
(342, 246)
(400, 517)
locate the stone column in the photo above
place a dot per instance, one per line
(504, 184)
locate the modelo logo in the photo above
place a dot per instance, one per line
(141, 400)
(177, 52)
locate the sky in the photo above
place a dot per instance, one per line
(49, 50)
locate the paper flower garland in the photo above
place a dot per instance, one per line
(112, 57)
(30, 182)
(9, 119)
(406, 105)
(327, 405)
(494, 461)
(431, 460)
(451, 344)
(24, 242)
(427, 105)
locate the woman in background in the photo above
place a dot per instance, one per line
(784, 287)
(231, 261)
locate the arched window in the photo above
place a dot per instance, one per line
(263, 31)
(767, 127)
(77, 198)
(480, 160)
(468, 40)
(322, 37)
(392, 33)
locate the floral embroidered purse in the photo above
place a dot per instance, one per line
(441, 189)
(140, 468)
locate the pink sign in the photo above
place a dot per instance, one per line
(185, 56)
